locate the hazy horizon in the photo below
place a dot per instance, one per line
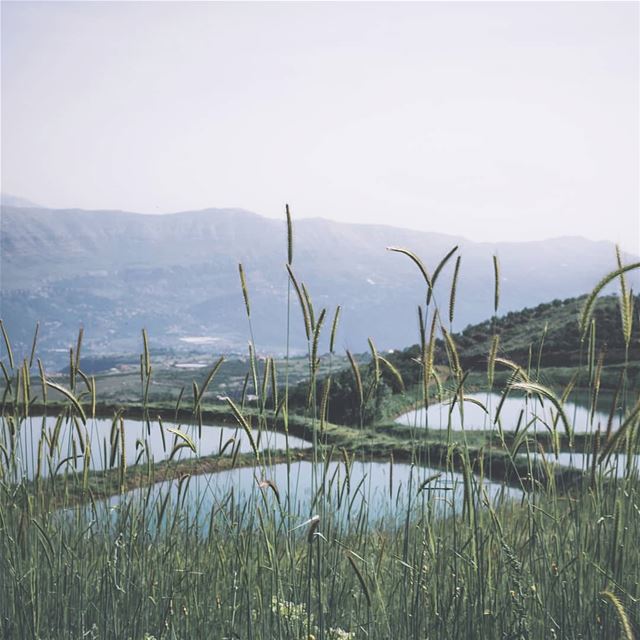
(295, 221)
(492, 121)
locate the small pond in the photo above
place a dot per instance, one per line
(616, 465)
(372, 492)
(141, 442)
(515, 410)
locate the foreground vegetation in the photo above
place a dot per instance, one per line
(484, 539)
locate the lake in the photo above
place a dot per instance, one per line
(215, 439)
(515, 409)
(373, 492)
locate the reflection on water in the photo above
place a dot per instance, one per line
(515, 410)
(373, 492)
(616, 465)
(66, 442)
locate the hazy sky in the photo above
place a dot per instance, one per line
(495, 121)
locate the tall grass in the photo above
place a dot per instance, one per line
(395, 549)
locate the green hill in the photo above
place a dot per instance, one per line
(554, 327)
(545, 339)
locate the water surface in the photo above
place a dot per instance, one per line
(142, 442)
(616, 465)
(515, 410)
(372, 492)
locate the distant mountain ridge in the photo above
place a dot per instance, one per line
(177, 275)
(8, 200)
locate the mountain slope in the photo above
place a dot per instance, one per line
(549, 331)
(547, 334)
(177, 275)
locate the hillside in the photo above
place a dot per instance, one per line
(548, 332)
(177, 275)
(556, 323)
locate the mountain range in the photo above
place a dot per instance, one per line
(176, 275)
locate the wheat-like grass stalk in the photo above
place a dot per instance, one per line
(416, 261)
(393, 370)
(26, 387)
(146, 354)
(265, 382)
(34, 344)
(245, 426)
(123, 456)
(316, 339)
(375, 358)
(274, 382)
(303, 303)
(357, 377)
(431, 348)
(453, 290)
(334, 329)
(245, 290)
(72, 373)
(289, 236)
(266, 483)
(437, 271)
(587, 309)
(76, 364)
(324, 403)
(309, 305)
(626, 302)
(623, 618)
(253, 368)
(94, 397)
(540, 390)
(496, 283)
(207, 382)
(452, 351)
(67, 394)
(422, 330)
(43, 381)
(7, 344)
(180, 435)
(518, 371)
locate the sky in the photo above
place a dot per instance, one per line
(496, 121)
